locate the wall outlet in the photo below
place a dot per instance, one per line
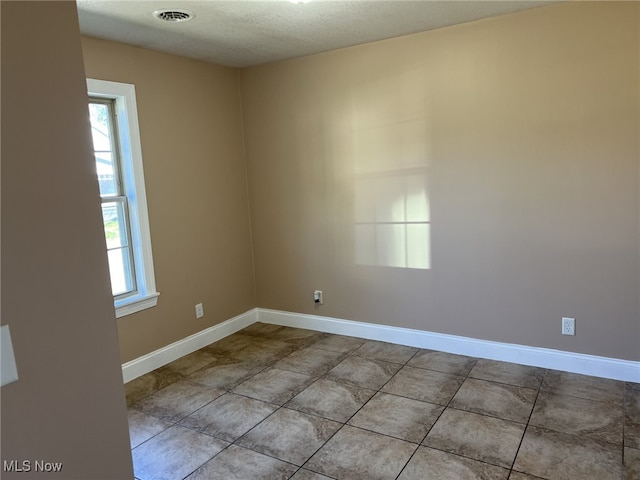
(568, 326)
(317, 297)
(199, 311)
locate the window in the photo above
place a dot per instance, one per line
(118, 157)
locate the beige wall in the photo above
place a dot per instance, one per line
(515, 137)
(192, 147)
(68, 405)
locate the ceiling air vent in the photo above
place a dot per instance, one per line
(173, 15)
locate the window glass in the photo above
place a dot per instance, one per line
(120, 174)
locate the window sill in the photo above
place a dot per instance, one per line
(135, 304)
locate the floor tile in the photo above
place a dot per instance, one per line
(338, 343)
(145, 385)
(261, 329)
(578, 416)
(225, 373)
(237, 463)
(488, 439)
(495, 399)
(274, 385)
(248, 348)
(510, 373)
(174, 453)
(632, 415)
(264, 353)
(312, 361)
(229, 417)
(142, 427)
(231, 344)
(583, 386)
(399, 417)
(303, 474)
(297, 336)
(363, 372)
(332, 400)
(522, 476)
(631, 464)
(428, 463)
(560, 456)
(449, 416)
(426, 385)
(355, 454)
(388, 352)
(289, 435)
(177, 400)
(443, 362)
(189, 363)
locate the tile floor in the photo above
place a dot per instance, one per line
(274, 402)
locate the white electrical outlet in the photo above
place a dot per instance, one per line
(568, 326)
(317, 297)
(199, 311)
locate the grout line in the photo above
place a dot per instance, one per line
(526, 427)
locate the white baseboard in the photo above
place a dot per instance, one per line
(539, 357)
(158, 358)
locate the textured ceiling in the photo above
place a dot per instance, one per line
(241, 33)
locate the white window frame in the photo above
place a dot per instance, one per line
(126, 112)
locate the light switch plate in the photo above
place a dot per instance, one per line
(8, 369)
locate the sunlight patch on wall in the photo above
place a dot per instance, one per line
(381, 144)
(391, 225)
(390, 148)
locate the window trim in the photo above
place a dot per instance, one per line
(132, 174)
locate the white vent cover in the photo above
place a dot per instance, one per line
(173, 15)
